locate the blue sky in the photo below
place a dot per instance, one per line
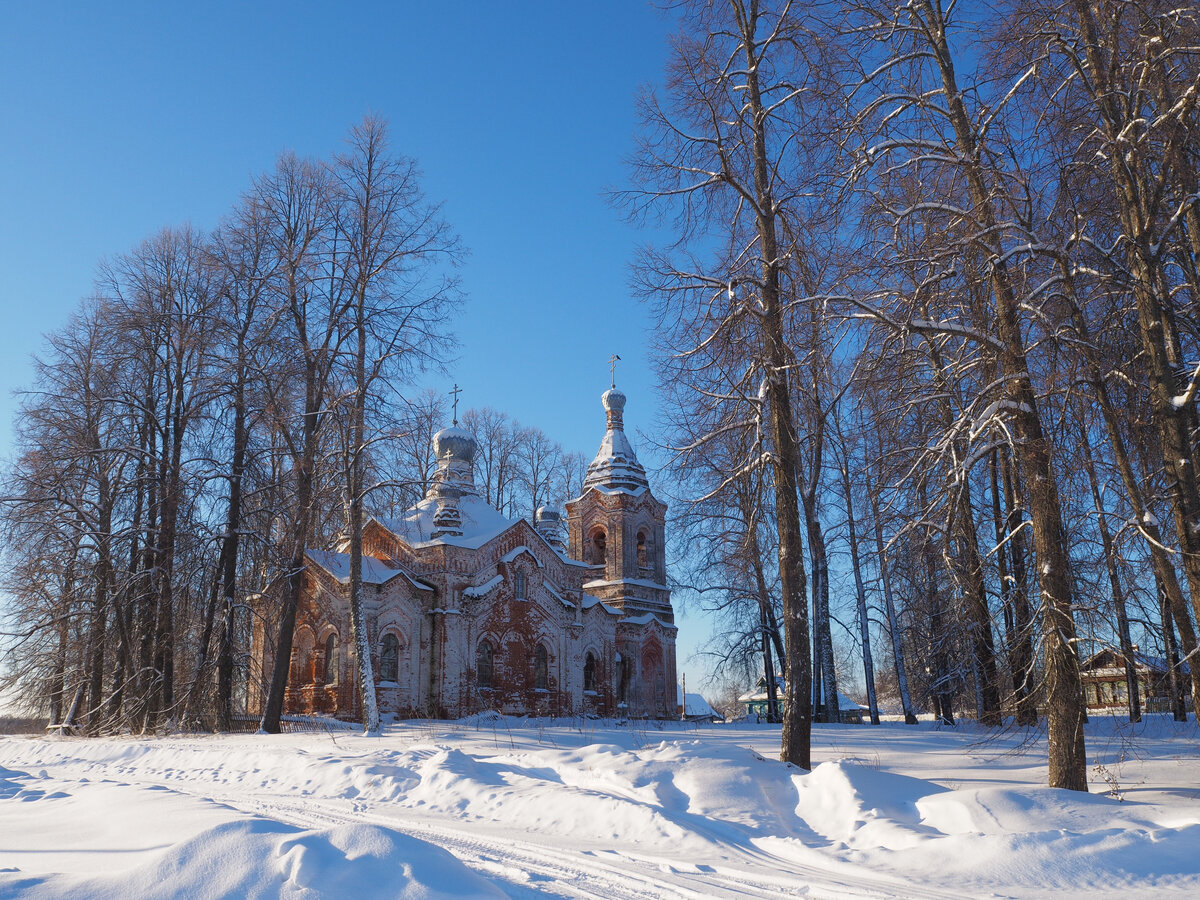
(119, 119)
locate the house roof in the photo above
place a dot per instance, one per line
(1110, 662)
(373, 570)
(696, 704)
(480, 523)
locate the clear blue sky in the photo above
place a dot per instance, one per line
(119, 119)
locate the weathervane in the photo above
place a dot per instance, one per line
(612, 363)
(454, 393)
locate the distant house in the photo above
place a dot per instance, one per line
(849, 712)
(697, 709)
(1105, 688)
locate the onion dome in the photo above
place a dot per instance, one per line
(455, 443)
(548, 523)
(455, 450)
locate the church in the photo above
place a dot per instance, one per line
(468, 610)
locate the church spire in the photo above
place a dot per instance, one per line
(616, 466)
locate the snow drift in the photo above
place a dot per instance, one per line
(509, 808)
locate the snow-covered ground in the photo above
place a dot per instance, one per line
(522, 808)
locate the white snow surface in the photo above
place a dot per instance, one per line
(494, 806)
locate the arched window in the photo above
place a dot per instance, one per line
(519, 585)
(599, 547)
(622, 679)
(389, 659)
(541, 669)
(332, 660)
(641, 550)
(483, 665)
(589, 673)
(302, 657)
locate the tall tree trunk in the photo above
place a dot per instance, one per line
(864, 622)
(824, 688)
(147, 596)
(229, 552)
(1022, 652)
(969, 563)
(797, 711)
(1064, 686)
(766, 623)
(1174, 682)
(889, 602)
(940, 688)
(1177, 423)
(99, 617)
(1147, 522)
(305, 469)
(978, 615)
(172, 496)
(368, 700)
(1114, 581)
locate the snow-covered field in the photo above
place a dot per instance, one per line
(521, 808)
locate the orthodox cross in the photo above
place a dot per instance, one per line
(454, 393)
(612, 363)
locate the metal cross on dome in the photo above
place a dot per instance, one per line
(612, 362)
(454, 393)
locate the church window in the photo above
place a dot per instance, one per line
(541, 669)
(302, 657)
(589, 673)
(622, 679)
(641, 550)
(483, 665)
(389, 659)
(519, 585)
(332, 660)
(599, 547)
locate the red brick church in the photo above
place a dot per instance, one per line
(468, 610)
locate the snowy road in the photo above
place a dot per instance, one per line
(505, 808)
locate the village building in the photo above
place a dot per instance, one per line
(758, 702)
(1105, 688)
(468, 610)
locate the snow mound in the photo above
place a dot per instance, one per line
(261, 858)
(1030, 837)
(586, 808)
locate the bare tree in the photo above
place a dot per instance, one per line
(388, 236)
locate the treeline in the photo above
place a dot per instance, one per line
(222, 402)
(931, 309)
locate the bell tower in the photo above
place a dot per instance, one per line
(617, 526)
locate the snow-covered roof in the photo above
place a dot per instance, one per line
(480, 523)
(484, 589)
(1111, 662)
(557, 596)
(646, 619)
(696, 705)
(373, 570)
(632, 492)
(517, 551)
(588, 601)
(639, 582)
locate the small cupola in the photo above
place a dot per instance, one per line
(549, 525)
